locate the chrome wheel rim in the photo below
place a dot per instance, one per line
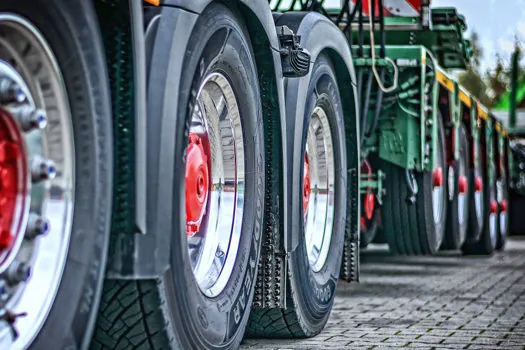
(502, 211)
(214, 233)
(493, 226)
(463, 190)
(43, 116)
(438, 193)
(318, 210)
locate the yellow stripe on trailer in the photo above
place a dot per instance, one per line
(445, 81)
(498, 127)
(482, 112)
(465, 98)
(505, 133)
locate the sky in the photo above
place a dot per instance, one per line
(496, 22)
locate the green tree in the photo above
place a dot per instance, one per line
(472, 79)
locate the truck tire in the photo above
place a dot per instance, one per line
(516, 210)
(458, 189)
(486, 243)
(203, 300)
(476, 197)
(418, 228)
(370, 229)
(51, 59)
(320, 202)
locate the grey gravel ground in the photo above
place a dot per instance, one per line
(444, 302)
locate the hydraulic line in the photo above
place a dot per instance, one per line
(360, 33)
(382, 52)
(378, 109)
(373, 54)
(364, 111)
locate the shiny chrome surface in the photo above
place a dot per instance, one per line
(319, 217)
(213, 250)
(28, 61)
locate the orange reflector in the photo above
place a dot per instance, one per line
(153, 2)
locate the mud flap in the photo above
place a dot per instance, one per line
(350, 263)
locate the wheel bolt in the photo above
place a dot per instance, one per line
(36, 226)
(11, 93)
(42, 169)
(30, 118)
(17, 272)
(3, 291)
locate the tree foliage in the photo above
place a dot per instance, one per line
(488, 87)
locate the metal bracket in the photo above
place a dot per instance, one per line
(373, 183)
(294, 58)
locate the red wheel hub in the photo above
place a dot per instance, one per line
(197, 184)
(369, 199)
(504, 205)
(437, 177)
(478, 183)
(12, 179)
(369, 205)
(306, 183)
(462, 184)
(493, 207)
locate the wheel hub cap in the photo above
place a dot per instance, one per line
(462, 184)
(13, 177)
(504, 206)
(306, 183)
(197, 188)
(437, 177)
(493, 207)
(478, 183)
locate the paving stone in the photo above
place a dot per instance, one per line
(438, 302)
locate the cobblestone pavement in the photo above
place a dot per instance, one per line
(446, 301)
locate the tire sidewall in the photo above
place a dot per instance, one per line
(205, 321)
(316, 290)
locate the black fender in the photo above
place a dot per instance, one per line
(170, 26)
(319, 34)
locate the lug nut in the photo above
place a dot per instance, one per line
(36, 226)
(42, 169)
(11, 93)
(29, 118)
(3, 291)
(17, 272)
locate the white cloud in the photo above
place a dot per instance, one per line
(505, 44)
(521, 28)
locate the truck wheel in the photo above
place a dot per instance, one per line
(476, 198)
(203, 300)
(503, 201)
(458, 189)
(486, 243)
(415, 229)
(516, 209)
(318, 213)
(55, 173)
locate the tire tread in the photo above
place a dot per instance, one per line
(130, 317)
